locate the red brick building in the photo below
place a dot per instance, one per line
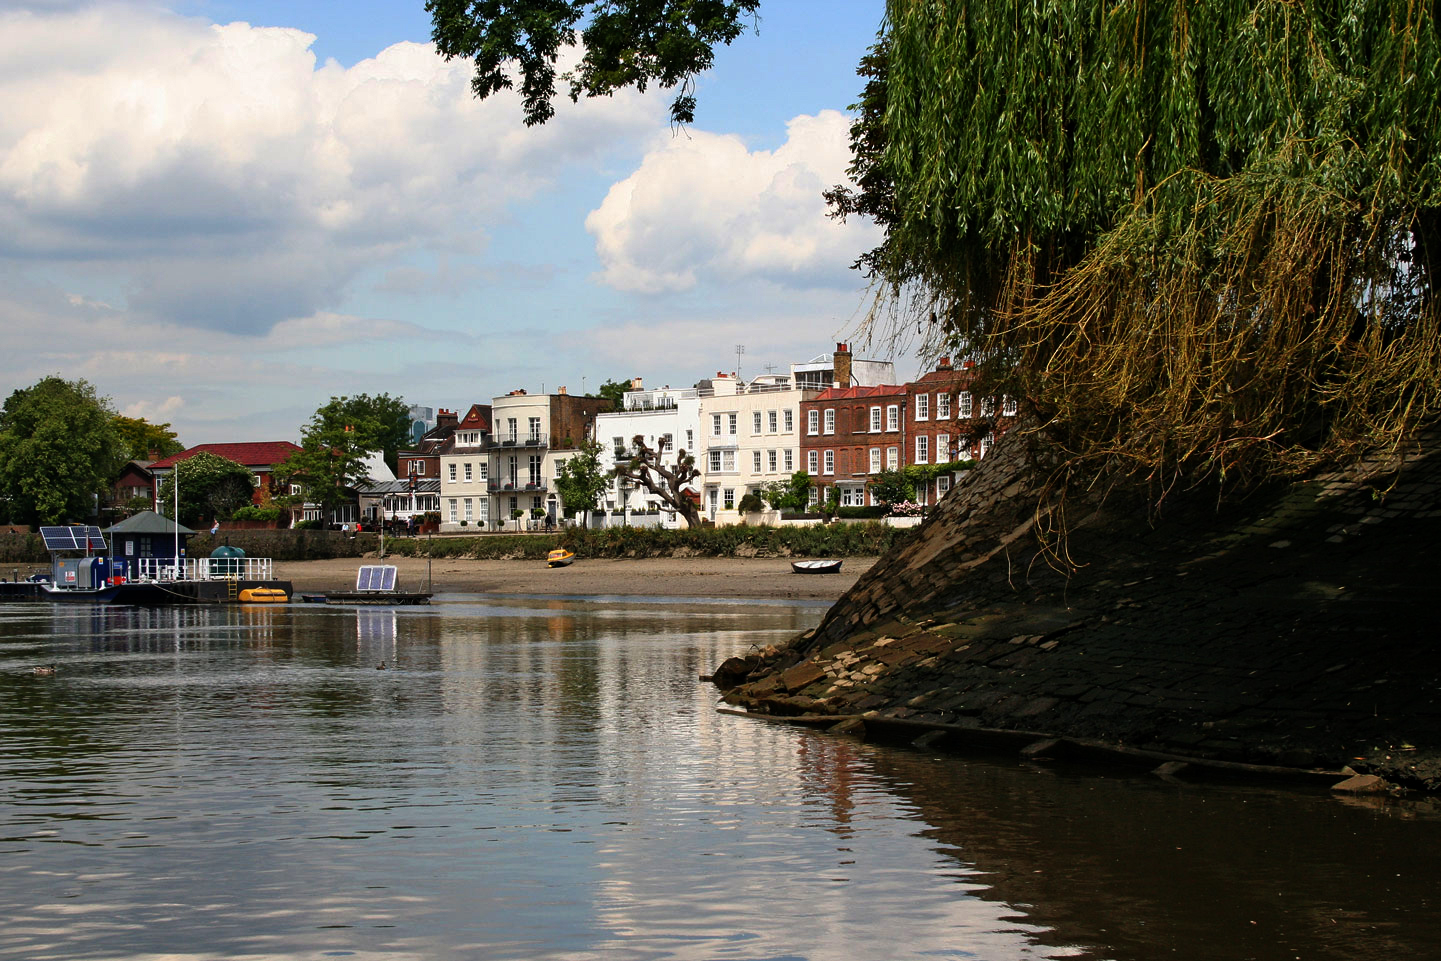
(261, 457)
(849, 434)
(423, 460)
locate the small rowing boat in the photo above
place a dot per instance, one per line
(832, 566)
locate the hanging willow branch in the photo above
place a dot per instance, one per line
(1200, 236)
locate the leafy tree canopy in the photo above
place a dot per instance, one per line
(789, 495)
(212, 488)
(378, 424)
(139, 438)
(627, 43)
(1196, 238)
(332, 460)
(580, 480)
(614, 391)
(58, 451)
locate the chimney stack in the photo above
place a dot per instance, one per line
(842, 364)
(447, 418)
(945, 364)
(560, 390)
(636, 384)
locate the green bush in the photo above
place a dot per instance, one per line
(253, 513)
(862, 513)
(309, 525)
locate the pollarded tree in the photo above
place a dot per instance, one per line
(212, 488)
(58, 451)
(671, 481)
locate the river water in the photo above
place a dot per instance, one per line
(546, 779)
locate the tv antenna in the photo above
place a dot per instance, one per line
(740, 349)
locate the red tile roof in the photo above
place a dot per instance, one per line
(265, 453)
(854, 393)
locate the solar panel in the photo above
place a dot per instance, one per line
(375, 577)
(73, 538)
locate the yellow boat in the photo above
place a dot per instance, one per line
(560, 557)
(263, 595)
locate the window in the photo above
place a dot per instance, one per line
(452, 476)
(468, 477)
(756, 422)
(715, 425)
(454, 515)
(510, 423)
(963, 403)
(830, 462)
(772, 462)
(943, 483)
(715, 462)
(535, 428)
(484, 516)
(943, 407)
(469, 512)
(985, 445)
(732, 421)
(728, 461)
(923, 406)
(943, 448)
(415, 466)
(789, 421)
(728, 498)
(789, 461)
(771, 422)
(893, 417)
(813, 462)
(988, 407)
(875, 420)
(813, 422)
(690, 441)
(893, 458)
(482, 470)
(830, 420)
(756, 460)
(535, 466)
(923, 449)
(875, 460)
(1008, 407)
(667, 442)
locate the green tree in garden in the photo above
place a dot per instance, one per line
(580, 480)
(331, 463)
(892, 487)
(139, 438)
(614, 391)
(211, 488)
(59, 451)
(792, 494)
(378, 424)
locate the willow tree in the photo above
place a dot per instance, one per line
(1200, 238)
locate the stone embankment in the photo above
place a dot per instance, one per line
(1293, 629)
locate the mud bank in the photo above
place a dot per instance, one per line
(1293, 630)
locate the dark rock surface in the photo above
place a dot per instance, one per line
(1294, 628)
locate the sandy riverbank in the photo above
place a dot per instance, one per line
(769, 577)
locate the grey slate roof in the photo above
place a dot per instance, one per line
(147, 522)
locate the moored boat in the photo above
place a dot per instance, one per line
(828, 566)
(560, 557)
(374, 584)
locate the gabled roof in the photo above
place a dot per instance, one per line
(266, 453)
(477, 418)
(148, 522)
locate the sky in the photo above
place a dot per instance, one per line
(222, 213)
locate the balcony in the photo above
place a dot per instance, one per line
(517, 487)
(522, 440)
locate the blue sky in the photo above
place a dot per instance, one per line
(223, 213)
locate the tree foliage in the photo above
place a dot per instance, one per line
(792, 494)
(668, 479)
(139, 437)
(212, 488)
(59, 451)
(627, 43)
(580, 481)
(614, 391)
(1197, 238)
(331, 463)
(378, 424)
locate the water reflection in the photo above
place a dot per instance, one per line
(546, 779)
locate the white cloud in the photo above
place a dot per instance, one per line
(703, 205)
(221, 179)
